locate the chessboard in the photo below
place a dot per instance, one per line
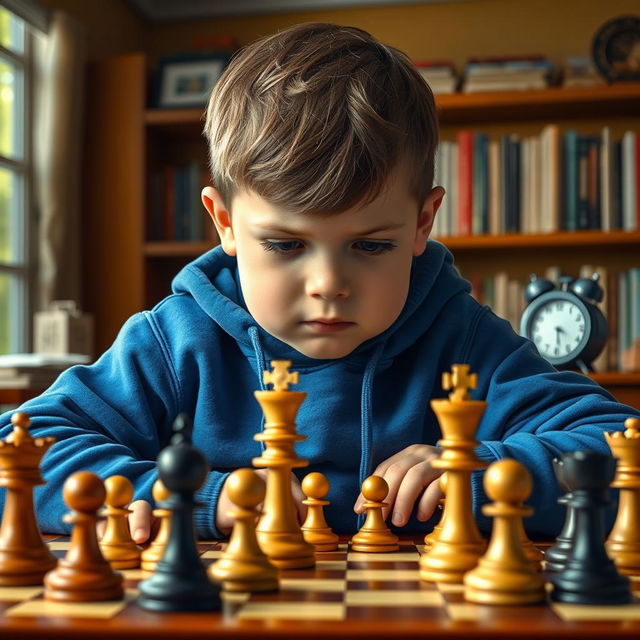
(348, 594)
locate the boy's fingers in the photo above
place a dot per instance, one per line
(429, 501)
(394, 476)
(412, 485)
(140, 521)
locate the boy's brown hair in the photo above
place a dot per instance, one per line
(315, 118)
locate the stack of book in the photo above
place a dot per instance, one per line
(579, 71)
(540, 184)
(440, 75)
(507, 73)
(620, 305)
(35, 371)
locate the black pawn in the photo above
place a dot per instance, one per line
(556, 556)
(180, 581)
(589, 575)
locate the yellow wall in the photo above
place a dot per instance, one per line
(454, 30)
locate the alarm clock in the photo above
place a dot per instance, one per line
(565, 323)
(616, 49)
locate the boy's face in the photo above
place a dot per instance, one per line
(324, 285)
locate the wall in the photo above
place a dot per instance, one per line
(455, 30)
(112, 27)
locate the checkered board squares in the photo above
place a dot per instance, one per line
(344, 585)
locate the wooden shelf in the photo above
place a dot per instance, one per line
(163, 117)
(557, 102)
(176, 249)
(617, 378)
(463, 108)
(511, 241)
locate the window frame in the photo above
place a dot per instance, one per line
(23, 271)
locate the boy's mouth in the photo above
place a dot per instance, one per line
(328, 325)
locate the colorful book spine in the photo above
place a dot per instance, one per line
(465, 182)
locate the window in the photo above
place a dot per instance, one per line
(15, 182)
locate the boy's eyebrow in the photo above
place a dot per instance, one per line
(383, 227)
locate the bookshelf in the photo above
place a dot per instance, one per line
(126, 272)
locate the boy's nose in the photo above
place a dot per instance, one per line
(327, 283)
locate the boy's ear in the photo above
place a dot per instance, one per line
(426, 219)
(212, 201)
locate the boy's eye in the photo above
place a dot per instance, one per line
(374, 248)
(281, 246)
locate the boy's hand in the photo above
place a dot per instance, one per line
(409, 475)
(224, 523)
(142, 524)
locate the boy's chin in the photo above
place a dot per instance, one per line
(322, 351)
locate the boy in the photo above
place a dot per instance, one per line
(322, 145)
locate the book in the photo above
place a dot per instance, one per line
(606, 176)
(550, 175)
(580, 71)
(624, 333)
(480, 213)
(465, 182)
(612, 320)
(629, 172)
(570, 150)
(495, 188)
(440, 75)
(583, 177)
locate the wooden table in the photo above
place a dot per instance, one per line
(329, 602)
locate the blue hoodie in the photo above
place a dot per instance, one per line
(201, 352)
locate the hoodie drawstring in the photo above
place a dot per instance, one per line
(366, 438)
(261, 363)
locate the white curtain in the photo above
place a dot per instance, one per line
(58, 133)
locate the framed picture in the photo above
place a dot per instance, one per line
(186, 81)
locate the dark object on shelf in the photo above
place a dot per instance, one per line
(565, 324)
(616, 49)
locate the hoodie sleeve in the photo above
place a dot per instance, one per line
(534, 414)
(112, 417)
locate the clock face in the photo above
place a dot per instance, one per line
(559, 329)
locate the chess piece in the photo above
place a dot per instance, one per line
(430, 537)
(458, 545)
(278, 530)
(24, 557)
(117, 546)
(315, 529)
(531, 552)
(623, 543)
(153, 553)
(180, 581)
(504, 574)
(556, 556)
(244, 566)
(374, 535)
(589, 575)
(83, 575)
